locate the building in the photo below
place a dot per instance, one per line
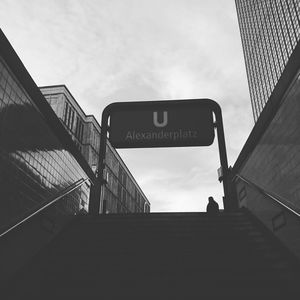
(39, 163)
(267, 172)
(46, 175)
(270, 31)
(121, 194)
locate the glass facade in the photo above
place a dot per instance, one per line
(270, 31)
(35, 167)
(121, 193)
(274, 163)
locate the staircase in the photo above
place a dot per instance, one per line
(160, 256)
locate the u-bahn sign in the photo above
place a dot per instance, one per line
(161, 124)
(175, 123)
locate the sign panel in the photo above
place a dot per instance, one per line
(161, 124)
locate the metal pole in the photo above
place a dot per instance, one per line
(223, 154)
(94, 204)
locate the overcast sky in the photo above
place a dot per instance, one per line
(119, 50)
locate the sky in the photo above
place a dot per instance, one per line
(128, 50)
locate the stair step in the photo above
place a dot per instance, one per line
(159, 256)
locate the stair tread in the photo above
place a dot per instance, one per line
(186, 251)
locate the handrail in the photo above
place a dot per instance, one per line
(67, 191)
(269, 195)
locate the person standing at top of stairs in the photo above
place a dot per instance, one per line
(212, 207)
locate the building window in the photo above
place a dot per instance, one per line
(69, 116)
(66, 113)
(79, 129)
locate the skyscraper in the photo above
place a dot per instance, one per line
(270, 31)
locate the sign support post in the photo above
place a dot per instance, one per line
(94, 204)
(223, 155)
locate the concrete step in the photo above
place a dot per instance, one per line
(159, 256)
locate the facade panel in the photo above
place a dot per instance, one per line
(35, 167)
(274, 164)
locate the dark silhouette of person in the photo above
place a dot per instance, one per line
(212, 207)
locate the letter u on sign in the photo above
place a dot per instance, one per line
(164, 121)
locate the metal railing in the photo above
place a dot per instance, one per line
(67, 191)
(268, 194)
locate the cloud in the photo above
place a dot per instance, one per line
(164, 174)
(163, 199)
(117, 50)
